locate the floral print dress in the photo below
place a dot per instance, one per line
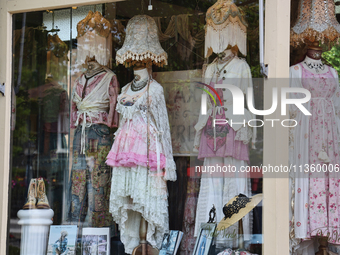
(314, 145)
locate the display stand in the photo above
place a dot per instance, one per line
(34, 232)
(144, 248)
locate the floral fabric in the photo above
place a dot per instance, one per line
(314, 142)
(91, 178)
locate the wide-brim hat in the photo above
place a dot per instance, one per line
(238, 207)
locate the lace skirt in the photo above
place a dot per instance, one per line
(135, 194)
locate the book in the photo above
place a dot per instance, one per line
(171, 242)
(62, 239)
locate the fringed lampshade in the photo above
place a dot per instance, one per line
(142, 43)
(316, 22)
(226, 26)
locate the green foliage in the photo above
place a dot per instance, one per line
(333, 57)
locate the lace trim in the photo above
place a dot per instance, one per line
(129, 58)
(133, 189)
(233, 208)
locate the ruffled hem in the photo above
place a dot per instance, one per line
(129, 159)
(135, 193)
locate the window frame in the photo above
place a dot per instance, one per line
(275, 191)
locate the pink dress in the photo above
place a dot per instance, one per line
(130, 146)
(323, 188)
(135, 190)
(223, 144)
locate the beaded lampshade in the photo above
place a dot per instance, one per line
(316, 22)
(141, 43)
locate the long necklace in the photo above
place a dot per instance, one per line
(228, 60)
(316, 66)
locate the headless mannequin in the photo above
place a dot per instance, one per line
(93, 69)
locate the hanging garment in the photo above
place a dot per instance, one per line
(315, 141)
(188, 242)
(136, 191)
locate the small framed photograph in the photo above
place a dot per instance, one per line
(62, 240)
(204, 239)
(96, 241)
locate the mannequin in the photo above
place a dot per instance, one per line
(224, 145)
(140, 169)
(315, 141)
(93, 113)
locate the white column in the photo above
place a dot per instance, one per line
(34, 231)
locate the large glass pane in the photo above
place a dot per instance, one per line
(103, 142)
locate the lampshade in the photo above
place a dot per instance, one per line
(225, 26)
(141, 43)
(316, 22)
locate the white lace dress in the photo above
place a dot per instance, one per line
(136, 191)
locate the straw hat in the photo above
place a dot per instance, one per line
(237, 208)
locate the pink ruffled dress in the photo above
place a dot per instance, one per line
(130, 146)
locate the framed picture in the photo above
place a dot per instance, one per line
(96, 241)
(204, 239)
(62, 240)
(171, 242)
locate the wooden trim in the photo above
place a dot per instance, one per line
(276, 190)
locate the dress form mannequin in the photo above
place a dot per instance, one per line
(139, 150)
(93, 113)
(314, 141)
(226, 147)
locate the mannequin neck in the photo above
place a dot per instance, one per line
(141, 74)
(93, 68)
(309, 60)
(314, 65)
(314, 54)
(227, 56)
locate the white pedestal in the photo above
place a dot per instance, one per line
(34, 231)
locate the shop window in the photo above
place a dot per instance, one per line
(110, 141)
